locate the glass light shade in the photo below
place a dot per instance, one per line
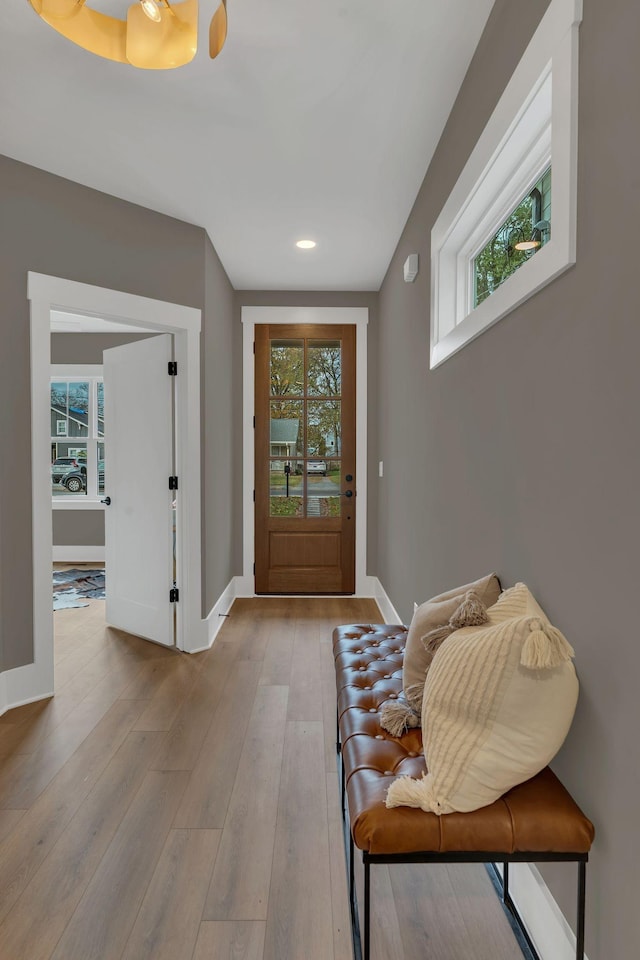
(306, 244)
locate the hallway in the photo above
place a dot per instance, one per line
(187, 808)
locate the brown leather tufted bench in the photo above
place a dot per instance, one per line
(536, 821)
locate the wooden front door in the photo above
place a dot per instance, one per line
(305, 458)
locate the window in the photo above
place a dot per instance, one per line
(77, 438)
(523, 233)
(477, 277)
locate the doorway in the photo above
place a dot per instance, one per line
(305, 458)
(35, 680)
(253, 317)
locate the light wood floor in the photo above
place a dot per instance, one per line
(182, 807)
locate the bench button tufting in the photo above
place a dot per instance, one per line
(388, 773)
(393, 696)
(367, 687)
(412, 754)
(387, 676)
(379, 736)
(373, 710)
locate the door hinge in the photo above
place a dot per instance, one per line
(254, 346)
(254, 569)
(254, 496)
(173, 368)
(173, 483)
(254, 423)
(174, 595)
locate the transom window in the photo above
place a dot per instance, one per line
(519, 237)
(77, 437)
(492, 246)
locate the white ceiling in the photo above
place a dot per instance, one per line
(317, 120)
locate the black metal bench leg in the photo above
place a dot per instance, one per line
(337, 733)
(505, 882)
(367, 895)
(343, 790)
(582, 883)
(352, 886)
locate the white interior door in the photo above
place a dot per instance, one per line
(139, 461)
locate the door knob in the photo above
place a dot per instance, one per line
(107, 501)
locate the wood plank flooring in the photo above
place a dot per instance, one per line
(173, 807)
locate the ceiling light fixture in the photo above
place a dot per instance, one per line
(305, 244)
(150, 7)
(535, 241)
(156, 34)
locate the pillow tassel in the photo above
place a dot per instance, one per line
(435, 637)
(407, 792)
(396, 716)
(471, 612)
(545, 647)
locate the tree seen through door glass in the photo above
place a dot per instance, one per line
(324, 368)
(287, 368)
(324, 428)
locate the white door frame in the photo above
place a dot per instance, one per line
(35, 681)
(251, 316)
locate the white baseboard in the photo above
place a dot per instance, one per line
(217, 614)
(387, 609)
(545, 923)
(4, 707)
(78, 554)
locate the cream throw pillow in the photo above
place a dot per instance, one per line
(498, 704)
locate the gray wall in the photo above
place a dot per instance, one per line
(520, 453)
(308, 298)
(53, 226)
(83, 527)
(221, 434)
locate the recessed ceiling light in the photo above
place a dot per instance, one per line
(305, 244)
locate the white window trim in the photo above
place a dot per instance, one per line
(81, 372)
(533, 126)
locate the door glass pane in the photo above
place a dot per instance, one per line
(287, 368)
(286, 428)
(69, 470)
(286, 488)
(324, 375)
(323, 488)
(324, 429)
(100, 395)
